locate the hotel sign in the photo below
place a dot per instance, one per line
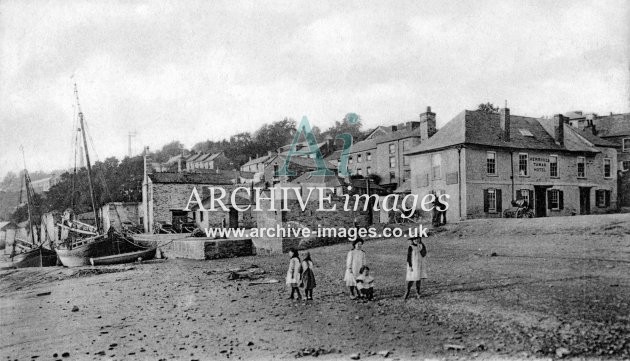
(540, 164)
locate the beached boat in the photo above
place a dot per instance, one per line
(85, 242)
(39, 257)
(30, 252)
(129, 257)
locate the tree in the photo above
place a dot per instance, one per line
(351, 124)
(488, 108)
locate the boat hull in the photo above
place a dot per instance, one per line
(102, 248)
(35, 258)
(80, 256)
(146, 254)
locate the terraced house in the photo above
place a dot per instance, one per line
(484, 161)
(382, 153)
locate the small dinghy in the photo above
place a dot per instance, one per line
(124, 257)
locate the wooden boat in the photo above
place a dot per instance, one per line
(39, 257)
(87, 244)
(129, 257)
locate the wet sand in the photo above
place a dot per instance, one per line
(496, 290)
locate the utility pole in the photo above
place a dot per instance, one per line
(130, 135)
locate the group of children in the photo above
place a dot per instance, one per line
(357, 276)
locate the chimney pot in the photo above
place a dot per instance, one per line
(427, 125)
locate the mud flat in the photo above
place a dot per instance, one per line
(503, 289)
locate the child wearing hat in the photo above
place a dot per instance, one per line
(416, 268)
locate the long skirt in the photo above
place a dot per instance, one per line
(308, 278)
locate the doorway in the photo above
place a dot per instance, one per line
(540, 201)
(585, 200)
(233, 218)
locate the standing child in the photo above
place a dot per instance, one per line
(416, 269)
(293, 274)
(354, 262)
(308, 277)
(365, 283)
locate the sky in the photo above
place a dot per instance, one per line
(198, 70)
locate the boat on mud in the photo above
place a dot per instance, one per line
(83, 244)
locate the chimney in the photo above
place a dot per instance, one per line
(558, 124)
(427, 125)
(394, 128)
(504, 122)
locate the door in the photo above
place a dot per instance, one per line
(585, 200)
(540, 201)
(233, 218)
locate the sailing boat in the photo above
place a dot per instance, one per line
(86, 244)
(31, 253)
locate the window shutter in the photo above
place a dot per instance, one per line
(499, 200)
(561, 199)
(549, 199)
(597, 203)
(607, 195)
(519, 196)
(531, 198)
(486, 202)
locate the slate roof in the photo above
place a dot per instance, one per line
(263, 159)
(363, 146)
(191, 178)
(329, 180)
(306, 162)
(240, 202)
(615, 125)
(397, 135)
(479, 128)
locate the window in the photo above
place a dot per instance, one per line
(392, 162)
(492, 201)
(626, 164)
(491, 163)
(524, 194)
(554, 199)
(368, 170)
(392, 177)
(359, 171)
(405, 160)
(406, 144)
(436, 166)
(607, 171)
(580, 167)
(602, 198)
(350, 160)
(525, 132)
(392, 148)
(369, 156)
(358, 158)
(553, 165)
(625, 143)
(523, 160)
(406, 175)
(275, 170)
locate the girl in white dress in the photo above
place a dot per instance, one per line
(416, 268)
(354, 262)
(294, 273)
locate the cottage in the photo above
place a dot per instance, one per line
(165, 195)
(485, 161)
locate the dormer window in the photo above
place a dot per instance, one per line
(525, 132)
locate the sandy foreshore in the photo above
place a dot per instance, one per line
(497, 290)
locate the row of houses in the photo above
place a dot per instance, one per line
(569, 164)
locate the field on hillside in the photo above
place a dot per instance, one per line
(497, 289)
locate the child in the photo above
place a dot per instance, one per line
(308, 277)
(293, 274)
(365, 283)
(416, 269)
(354, 262)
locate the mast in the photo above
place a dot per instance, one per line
(29, 199)
(87, 160)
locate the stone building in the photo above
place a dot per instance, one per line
(165, 195)
(485, 161)
(298, 165)
(382, 153)
(207, 161)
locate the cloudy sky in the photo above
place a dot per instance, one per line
(191, 71)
